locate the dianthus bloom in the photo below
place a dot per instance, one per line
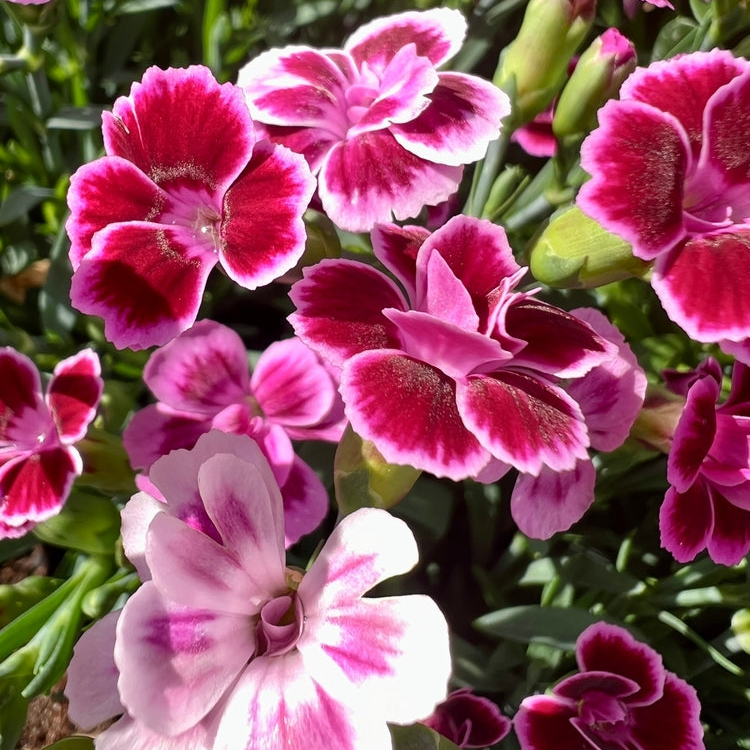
(469, 720)
(462, 377)
(184, 186)
(622, 698)
(383, 130)
(38, 460)
(202, 381)
(223, 647)
(708, 503)
(670, 165)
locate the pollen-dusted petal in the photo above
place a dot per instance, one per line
(313, 143)
(438, 34)
(672, 722)
(262, 230)
(277, 704)
(371, 178)
(73, 394)
(35, 487)
(464, 115)
(542, 722)
(703, 286)
(145, 280)
(340, 307)
(291, 385)
(552, 501)
(298, 86)
(608, 648)
(408, 409)
(180, 125)
(201, 371)
(683, 86)
(557, 343)
(176, 662)
(638, 158)
(392, 651)
(396, 248)
(730, 536)
(248, 513)
(524, 421)
(108, 191)
(686, 521)
(694, 434)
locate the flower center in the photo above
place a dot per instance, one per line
(361, 95)
(280, 624)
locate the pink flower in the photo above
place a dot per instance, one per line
(202, 381)
(669, 171)
(621, 698)
(468, 720)
(383, 130)
(708, 503)
(464, 376)
(38, 462)
(184, 186)
(225, 647)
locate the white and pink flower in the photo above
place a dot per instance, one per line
(38, 432)
(383, 130)
(224, 647)
(185, 185)
(202, 381)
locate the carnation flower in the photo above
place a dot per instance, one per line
(708, 503)
(38, 460)
(383, 130)
(202, 381)
(224, 647)
(184, 186)
(622, 698)
(670, 175)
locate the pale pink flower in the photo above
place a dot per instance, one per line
(223, 647)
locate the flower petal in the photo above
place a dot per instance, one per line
(181, 125)
(262, 230)
(396, 248)
(136, 517)
(552, 501)
(371, 178)
(638, 158)
(91, 687)
(542, 722)
(608, 648)
(408, 409)
(127, 733)
(145, 280)
(340, 307)
(438, 34)
(107, 191)
(276, 703)
(21, 393)
(464, 115)
(248, 512)
(686, 521)
(730, 536)
(703, 285)
(524, 421)
(176, 662)
(73, 394)
(306, 502)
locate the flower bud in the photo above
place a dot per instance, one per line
(576, 252)
(364, 479)
(656, 423)
(600, 71)
(533, 66)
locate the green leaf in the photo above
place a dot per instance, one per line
(418, 737)
(72, 743)
(20, 201)
(18, 597)
(532, 623)
(13, 709)
(76, 118)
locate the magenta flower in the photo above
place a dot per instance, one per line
(38, 461)
(670, 175)
(184, 186)
(622, 698)
(225, 647)
(468, 720)
(461, 377)
(383, 130)
(202, 381)
(708, 503)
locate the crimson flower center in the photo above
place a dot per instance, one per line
(279, 626)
